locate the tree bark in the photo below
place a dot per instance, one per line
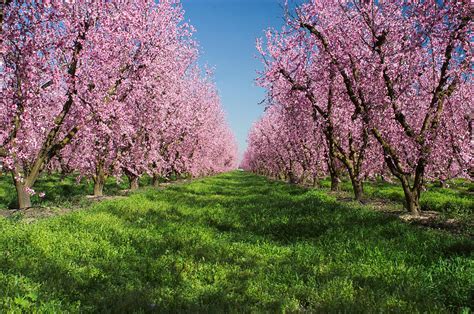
(292, 178)
(412, 197)
(21, 186)
(357, 187)
(334, 181)
(133, 180)
(98, 188)
(333, 169)
(155, 180)
(24, 198)
(99, 179)
(281, 176)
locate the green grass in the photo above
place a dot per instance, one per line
(59, 190)
(234, 242)
(455, 201)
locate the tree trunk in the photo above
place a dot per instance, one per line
(333, 172)
(292, 178)
(316, 182)
(332, 161)
(357, 187)
(334, 181)
(155, 180)
(133, 179)
(412, 198)
(24, 198)
(98, 187)
(413, 202)
(99, 179)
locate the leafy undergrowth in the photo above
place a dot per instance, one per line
(234, 242)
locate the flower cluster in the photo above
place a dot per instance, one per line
(106, 88)
(387, 85)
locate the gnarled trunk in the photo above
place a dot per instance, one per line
(24, 198)
(412, 197)
(357, 187)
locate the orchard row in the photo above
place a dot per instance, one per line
(106, 88)
(367, 88)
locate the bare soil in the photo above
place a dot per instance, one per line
(32, 214)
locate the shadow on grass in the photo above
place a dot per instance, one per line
(457, 200)
(59, 190)
(235, 242)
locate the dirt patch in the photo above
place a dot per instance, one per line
(105, 197)
(32, 214)
(435, 220)
(176, 182)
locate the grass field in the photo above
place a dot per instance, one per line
(59, 191)
(233, 242)
(455, 201)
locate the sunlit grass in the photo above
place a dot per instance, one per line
(455, 201)
(231, 242)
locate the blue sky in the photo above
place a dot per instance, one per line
(226, 32)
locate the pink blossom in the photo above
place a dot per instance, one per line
(387, 85)
(106, 89)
